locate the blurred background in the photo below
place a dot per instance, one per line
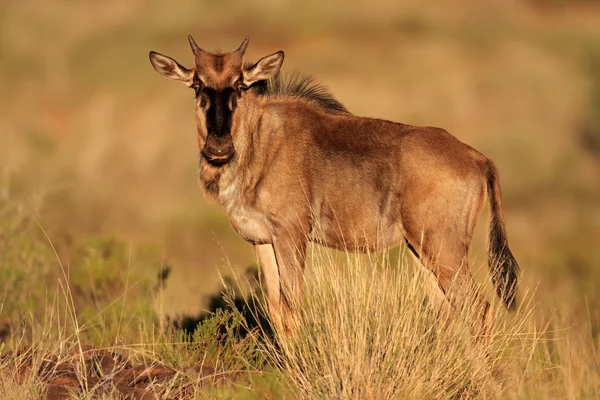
(98, 152)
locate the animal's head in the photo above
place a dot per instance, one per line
(219, 81)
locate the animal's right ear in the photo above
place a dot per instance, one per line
(171, 69)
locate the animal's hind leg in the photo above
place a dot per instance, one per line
(440, 228)
(449, 264)
(436, 294)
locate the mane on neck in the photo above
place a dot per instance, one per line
(301, 86)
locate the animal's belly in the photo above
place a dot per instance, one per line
(357, 237)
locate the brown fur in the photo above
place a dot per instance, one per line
(302, 172)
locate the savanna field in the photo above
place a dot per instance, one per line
(118, 279)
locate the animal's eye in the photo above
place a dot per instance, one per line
(203, 102)
(233, 101)
(239, 86)
(197, 85)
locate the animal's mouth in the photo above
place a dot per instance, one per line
(218, 156)
(218, 150)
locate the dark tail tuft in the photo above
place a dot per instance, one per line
(502, 264)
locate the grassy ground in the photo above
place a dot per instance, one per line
(105, 238)
(368, 330)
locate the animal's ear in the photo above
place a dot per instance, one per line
(265, 68)
(171, 69)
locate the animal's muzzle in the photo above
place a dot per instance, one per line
(219, 149)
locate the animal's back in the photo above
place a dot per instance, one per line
(362, 170)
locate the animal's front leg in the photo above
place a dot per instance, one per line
(290, 253)
(270, 274)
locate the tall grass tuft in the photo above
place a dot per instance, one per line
(368, 330)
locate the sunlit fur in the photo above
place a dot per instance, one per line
(307, 170)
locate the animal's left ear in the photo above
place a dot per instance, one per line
(265, 68)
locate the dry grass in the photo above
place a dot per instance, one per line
(52, 358)
(369, 331)
(108, 146)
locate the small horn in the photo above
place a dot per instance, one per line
(195, 48)
(244, 45)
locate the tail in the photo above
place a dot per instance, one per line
(502, 264)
